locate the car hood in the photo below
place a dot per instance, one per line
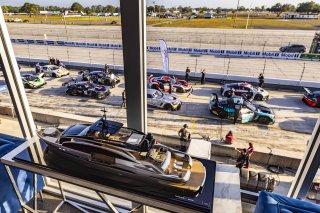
(264, 109)
(261, 91)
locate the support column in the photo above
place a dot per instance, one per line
(133, 23)
(14, 83)
(308, 167)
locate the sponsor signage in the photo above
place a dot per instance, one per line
(182, 50)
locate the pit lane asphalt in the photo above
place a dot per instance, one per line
(288, 136)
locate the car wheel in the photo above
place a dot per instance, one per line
(264, 120)
(72, 92)
(180, 90)
(168, 107)
(258, 97)
(101, 96)
(54, 75)
(223, 115)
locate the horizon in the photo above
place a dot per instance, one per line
(166, 3)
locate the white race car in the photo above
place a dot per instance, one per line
(54, 71)
(156, 98)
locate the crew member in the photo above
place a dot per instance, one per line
(249, 153)
(203, 76)
(170, 87)
(261, 80)
(38, 68)
(229, 138)
(185, 136)
(124, 99)
(187, 78)
(113, 81)
(107, 69)
(237, 109)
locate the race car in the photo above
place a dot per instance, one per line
(156, 98)
(88, 89)
(99, 77)
(162, 83)
(54, 71)
(31, 81)
(245, 90)
(311, 98)
(224, 108)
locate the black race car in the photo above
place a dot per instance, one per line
(88, 89)
(100, 77)
(311, 98)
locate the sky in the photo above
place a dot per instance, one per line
(167, 3)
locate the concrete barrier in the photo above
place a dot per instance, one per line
(210, 77)
(65, 119)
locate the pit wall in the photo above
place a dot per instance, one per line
(65, 119)
(179, 50)
(210, 77)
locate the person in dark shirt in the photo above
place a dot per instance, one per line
(261, 80)
(203, 76)
(237, 109)
(187, 78)
(124, 99)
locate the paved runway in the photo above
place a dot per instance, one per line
(294, 119)
(257, 39)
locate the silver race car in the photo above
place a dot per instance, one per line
(162, 100)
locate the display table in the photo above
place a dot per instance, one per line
(202, 203)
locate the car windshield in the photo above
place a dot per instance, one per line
(158, 94)
(90, 85)
(250, 106)
(30, 77)
(54, 68)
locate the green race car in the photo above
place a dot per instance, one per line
(31, 81)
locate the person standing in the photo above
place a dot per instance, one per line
(237, 109)
(249, 153)
(187, 78)
(170, 87)
(185, 136)
(113, 81)
(124, 99)
(107, 68)
(203, 76)
(38, 68)
(261, 80)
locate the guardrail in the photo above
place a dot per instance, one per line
(195, 51)
(211, 77)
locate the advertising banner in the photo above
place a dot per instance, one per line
(165, 56)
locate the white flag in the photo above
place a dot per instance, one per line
(165, 56)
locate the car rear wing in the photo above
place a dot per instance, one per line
(307, 90)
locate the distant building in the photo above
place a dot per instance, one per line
(214, 15)
(45, 12)
(301, 16)
(208, 15)
(73, 14)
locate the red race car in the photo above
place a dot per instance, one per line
(162, 83)
(311, 98)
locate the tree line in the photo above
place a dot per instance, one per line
(305, 7)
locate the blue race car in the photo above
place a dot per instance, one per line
(224, 108)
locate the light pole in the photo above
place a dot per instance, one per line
(235, 18)
(248, 16)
